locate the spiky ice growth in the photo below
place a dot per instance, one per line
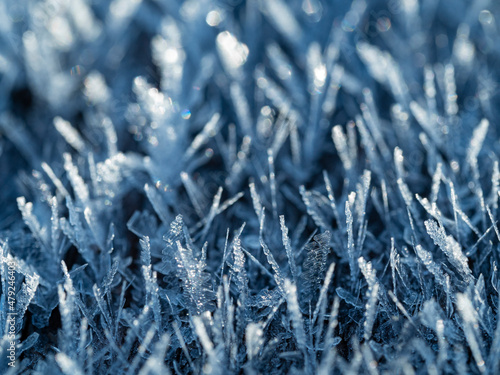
(261, 186)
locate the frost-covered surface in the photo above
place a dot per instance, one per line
(272, 186)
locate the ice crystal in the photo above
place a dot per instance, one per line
(251, 187)
(315, 263)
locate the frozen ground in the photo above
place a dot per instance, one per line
(249, 187)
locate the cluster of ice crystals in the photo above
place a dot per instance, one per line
(251, 187)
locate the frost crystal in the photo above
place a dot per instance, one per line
(258, 187)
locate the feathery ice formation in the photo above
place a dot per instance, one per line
(249, 187)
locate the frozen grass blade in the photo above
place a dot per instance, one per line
(470, 324)
(209, 130)
(450, 247)
(272, 179)
(428, 262)
(320, 305)
(70, 134)
(312, 209)
(194, 193)
(67, 297)
(288, 248)
(340, 141)
(278, 277)
(297, 321)
(350, 242)
(282, 18)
